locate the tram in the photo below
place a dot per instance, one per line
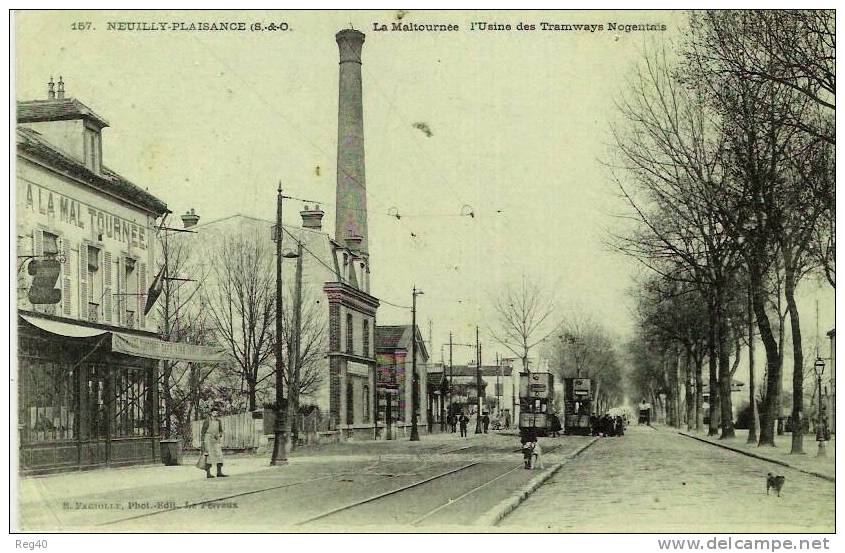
(536, 395)
(577, 405)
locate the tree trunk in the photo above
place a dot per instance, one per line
(713, 410)
(688, 389)
(752, 425)
(781, 340)
(699, 397)
(769, 412)
(798, 362)
(251, 391)
(678, 403)
(725, 402)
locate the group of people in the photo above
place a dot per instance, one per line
(455, 420)
(607, 425)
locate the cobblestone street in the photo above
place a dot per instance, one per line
(657, 481)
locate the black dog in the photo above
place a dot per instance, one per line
(774, 482)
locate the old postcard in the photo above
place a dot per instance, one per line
(425, 271)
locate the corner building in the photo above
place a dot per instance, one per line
(86, 389)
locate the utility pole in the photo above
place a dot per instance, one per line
(478, 381)
(450, 373)
(293, 387)
(280, 436)
(415, 400)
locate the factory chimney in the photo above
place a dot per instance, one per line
(351, 204)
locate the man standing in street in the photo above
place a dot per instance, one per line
(212, 445)
(485, 421)
(463, 421)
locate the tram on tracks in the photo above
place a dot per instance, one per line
(577, 406)
(536, 397)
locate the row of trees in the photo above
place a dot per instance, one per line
(726, 161)
(224, 294)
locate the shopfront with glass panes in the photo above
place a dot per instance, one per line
(82, 405)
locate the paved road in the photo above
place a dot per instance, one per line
(261, 498)
(657, 481)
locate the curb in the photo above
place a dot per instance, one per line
(495, 515)
(761, 457)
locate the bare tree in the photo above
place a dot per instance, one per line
(791, 49)
(524, 318)
(179, 319)
(240, 300)
(779, 170)
(671, 166)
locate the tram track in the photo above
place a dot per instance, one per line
(449, 503)
(477, 474)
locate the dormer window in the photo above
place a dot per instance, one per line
(93, 149)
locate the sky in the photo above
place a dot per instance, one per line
(520, 123)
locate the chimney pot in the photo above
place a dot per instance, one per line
(190, 218)
(61, 93)
(312, 218)
(51, 91)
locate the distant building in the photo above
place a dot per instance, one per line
(395, 376)
(332, 283)
(497, 388)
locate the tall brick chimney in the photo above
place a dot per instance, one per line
(351, 204)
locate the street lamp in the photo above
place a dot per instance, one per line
(818, 367)
(415, 386)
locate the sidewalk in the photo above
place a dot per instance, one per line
(824, 467)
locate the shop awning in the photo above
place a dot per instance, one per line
(154, 348)
(132, 344)
(64, 329)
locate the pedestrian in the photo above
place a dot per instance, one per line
(211, 438)
(485, 421)
(619, 426)
(450, 420)
(536, 452)
(594, 425)
(463, 421)
(554, 425)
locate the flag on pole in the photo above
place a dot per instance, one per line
(155, 290)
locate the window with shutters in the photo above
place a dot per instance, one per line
(365, 399)
(130, 277)
(366, 337)
(92, 150)
(49, 250)
(51, 244)
(95, 283)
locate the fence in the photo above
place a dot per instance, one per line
(240, 431)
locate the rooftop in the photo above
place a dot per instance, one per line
(34, 111)
(32, 143)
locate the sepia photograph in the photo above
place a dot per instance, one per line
(424, 271)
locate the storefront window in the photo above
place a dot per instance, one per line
(130, 403)
(96, 401)
(48, 402)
